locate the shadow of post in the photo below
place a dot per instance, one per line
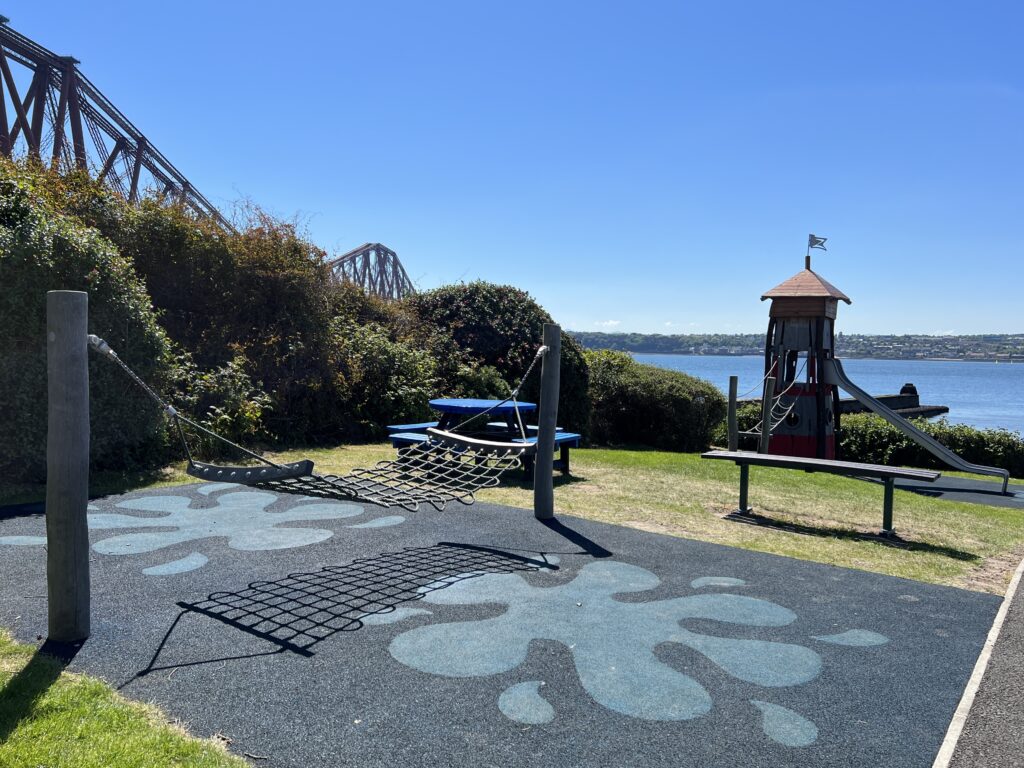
(589, 546)
(19, 696)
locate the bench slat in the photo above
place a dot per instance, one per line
(822, 465)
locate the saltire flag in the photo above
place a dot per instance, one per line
(813, 241)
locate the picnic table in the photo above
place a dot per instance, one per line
(455, 410)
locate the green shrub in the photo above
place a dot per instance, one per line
(264, 295)
(501, 327)
(225, 401)
(634, 403)
(41, 250)
(385, 381)
(868, 438)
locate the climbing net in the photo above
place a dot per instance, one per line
(780, 408)
(446, 467)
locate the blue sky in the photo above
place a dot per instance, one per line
(647, 167)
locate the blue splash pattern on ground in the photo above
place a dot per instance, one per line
(716, 581)
(854, 637)
(207, 489)
(23, 541)
(524, 704)
(380, 522)
(785, 726)
(240, 516)
(184, 565)
(613, 644)
(392, 617)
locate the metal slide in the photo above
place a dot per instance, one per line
(834, 374)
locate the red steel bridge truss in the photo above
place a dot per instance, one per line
(50, 111)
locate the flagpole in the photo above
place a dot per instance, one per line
(813, 241)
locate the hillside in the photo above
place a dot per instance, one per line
(996, 347)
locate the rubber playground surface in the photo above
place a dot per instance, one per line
(313, 632)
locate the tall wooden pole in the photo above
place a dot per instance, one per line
(67, 465)
(547, 419)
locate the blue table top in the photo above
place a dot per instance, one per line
(471, 405)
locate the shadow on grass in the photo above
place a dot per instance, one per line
(19, 696)
(848, 534)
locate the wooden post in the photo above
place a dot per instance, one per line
(67, 465)
(766, 413)
(734, 435)
(547, 420)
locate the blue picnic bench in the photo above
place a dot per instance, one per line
(454, 410)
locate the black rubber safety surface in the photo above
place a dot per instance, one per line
(317, 633)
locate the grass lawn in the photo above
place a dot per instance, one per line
(51, 718)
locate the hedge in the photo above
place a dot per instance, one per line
(632, 403)
(871, 439)
(43, 250)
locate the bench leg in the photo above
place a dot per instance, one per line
(528, 467)
(564, 451)
(744, 484)
(887, 529)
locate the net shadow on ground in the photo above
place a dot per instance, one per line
(302, 609)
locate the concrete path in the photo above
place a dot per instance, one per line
(315, 633)
(993, 733)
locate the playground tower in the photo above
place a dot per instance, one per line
(801, 336)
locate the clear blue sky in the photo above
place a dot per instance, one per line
(646, 167)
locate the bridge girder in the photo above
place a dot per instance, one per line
(59, 117)
(376, 268)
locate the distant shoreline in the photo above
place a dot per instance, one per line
(983, 348)
(1014, 361)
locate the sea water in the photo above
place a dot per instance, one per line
(985, 395)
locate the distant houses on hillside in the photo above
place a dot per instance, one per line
(983, 347)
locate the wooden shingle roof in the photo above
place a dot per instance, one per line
(806, 283)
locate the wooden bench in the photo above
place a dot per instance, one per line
(851, 469)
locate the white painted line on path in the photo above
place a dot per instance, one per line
(956, 726)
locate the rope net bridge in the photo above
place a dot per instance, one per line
(447, 467)
(779, 409)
